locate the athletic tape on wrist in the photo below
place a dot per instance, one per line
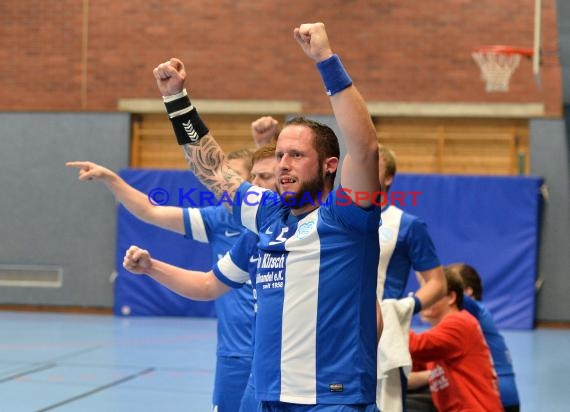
(188, 126)
(417, 304)
(334, 75)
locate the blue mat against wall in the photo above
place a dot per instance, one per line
(140, 295)
(491, 223)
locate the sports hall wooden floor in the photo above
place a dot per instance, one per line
(69, 362)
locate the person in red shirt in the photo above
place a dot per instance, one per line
(459, 371)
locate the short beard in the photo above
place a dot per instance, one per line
(312, 189)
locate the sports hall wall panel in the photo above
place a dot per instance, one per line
(551, 158)
(142, 295)
(49, 218)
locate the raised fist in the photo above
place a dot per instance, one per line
(264, 130)
(170, 77)
(313, 39)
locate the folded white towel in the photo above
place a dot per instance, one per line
(393, 352)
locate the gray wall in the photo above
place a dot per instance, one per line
(550, 159)
(550, 152)
(48, 217)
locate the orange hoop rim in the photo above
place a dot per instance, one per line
(502, 49)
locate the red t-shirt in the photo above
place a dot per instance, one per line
(462, 376)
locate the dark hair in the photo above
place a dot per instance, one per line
(325, 141)
(471, 278)
(454, 284)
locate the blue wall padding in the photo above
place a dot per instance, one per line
(491, 223)
(141, 294)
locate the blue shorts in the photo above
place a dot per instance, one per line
(248, 401)
(293, 407)
(232, 374)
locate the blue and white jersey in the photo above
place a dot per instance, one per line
(499, 351)
(214, 225)
(404, 244)
(315, 340)
(238, 267)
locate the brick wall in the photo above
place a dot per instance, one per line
(396, 50)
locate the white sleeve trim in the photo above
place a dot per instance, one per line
(197, 225)
(230, 270)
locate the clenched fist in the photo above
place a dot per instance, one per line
(137, 260)
(264, 130)
(313, 39)
(170, 76)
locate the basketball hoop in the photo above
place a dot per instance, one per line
(498, 63)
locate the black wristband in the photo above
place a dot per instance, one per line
(188, 127)
(177, 105)
(186, 122)
(417, 304)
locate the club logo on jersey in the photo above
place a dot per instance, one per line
(336, 387)
(280, 238)
(305, 229)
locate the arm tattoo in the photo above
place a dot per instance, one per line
(208, 162)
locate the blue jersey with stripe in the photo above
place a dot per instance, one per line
(214, 225)
(315, 340)
(238, 267)
(499, 351)
(404, 244)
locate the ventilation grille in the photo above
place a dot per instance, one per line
(31, 276)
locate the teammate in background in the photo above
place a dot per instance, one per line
(241, 161)
(264, 163)
(501, 356)
(459, 367)
(240, 264)
(213, 225)
(404, 244)
(315, 345)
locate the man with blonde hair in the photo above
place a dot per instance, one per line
(405, 244)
